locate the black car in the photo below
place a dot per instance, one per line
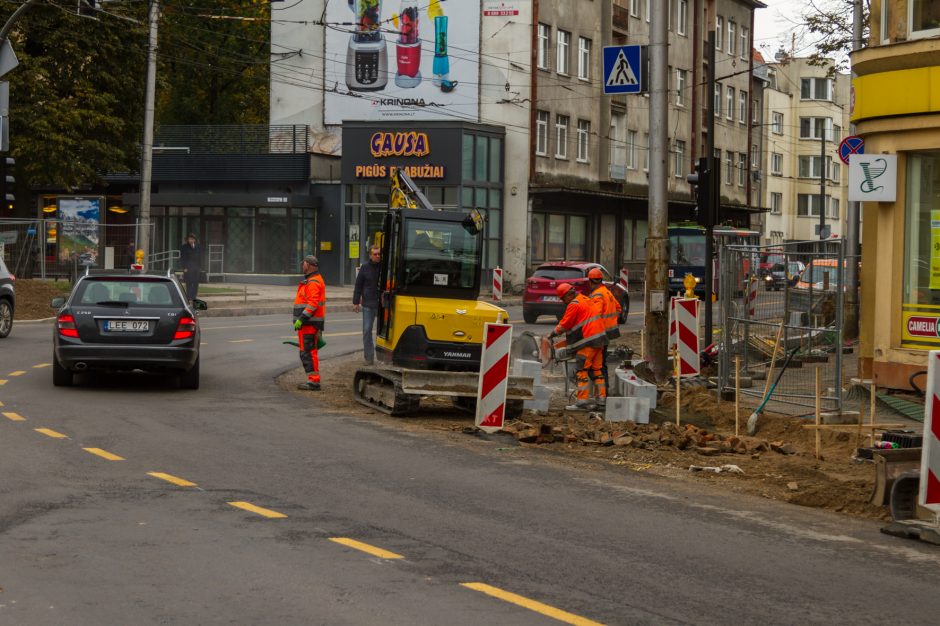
(7, 300)
(781, 275)
(121, 321)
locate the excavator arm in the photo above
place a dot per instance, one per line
(405, 193)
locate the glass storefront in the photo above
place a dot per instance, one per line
(921, 290)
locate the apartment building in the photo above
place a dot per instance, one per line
(806, 116)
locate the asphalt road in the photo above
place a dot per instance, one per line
(449, 532)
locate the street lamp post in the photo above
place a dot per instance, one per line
(146, 157)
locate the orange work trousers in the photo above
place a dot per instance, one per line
(591, 367)
(307, 340)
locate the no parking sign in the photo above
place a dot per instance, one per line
(853, 144)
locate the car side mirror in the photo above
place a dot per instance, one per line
(57, 302)
(200, 305)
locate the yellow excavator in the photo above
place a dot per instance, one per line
(429, 329)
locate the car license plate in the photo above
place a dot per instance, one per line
(126, 326)
(550, 299)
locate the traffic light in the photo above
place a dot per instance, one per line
(705, 186)
(7, 181)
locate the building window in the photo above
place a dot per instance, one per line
(755, 156)
(729, 167)
(885, 22)
(557, 226)
(742, 168)
(776, 124)
(923, 18)
(776, 164)
(729, 103)
(584, 134)
(732, 37)
(835, 171)
(717, 99)
(541, 133)
(635, 8)
(745, 41)
(681, 79)
(577, 237)
(544, 34)
(646, 152)
(561, 61)
(561, 136)
(776, 203)
(809, 167)
(742, 106)
(679, 165)
(755, 112)
(615, 152)
(682, 17)
(584, 58)
(647, 11)
(816, 89)
(807, 205)
(719, 32)
(631, 149)
(816, 128)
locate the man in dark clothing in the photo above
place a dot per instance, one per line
(366, 298)
(191, 262)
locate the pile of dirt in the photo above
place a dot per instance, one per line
(34, 295)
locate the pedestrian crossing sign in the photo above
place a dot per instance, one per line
(622, 70)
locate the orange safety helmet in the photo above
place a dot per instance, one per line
(595, 274)
(562, 289)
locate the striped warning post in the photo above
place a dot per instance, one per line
(683, 333)
(751, 296)
(494, 377)
(929, 496)
(497, 284)
(624, 280)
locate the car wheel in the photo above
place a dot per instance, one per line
(6, 318)
(190, 378)
(530, 317)
(61, 377)
(624, 309)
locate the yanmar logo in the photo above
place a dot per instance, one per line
(456, 355)
(411, 143)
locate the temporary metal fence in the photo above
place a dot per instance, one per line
(800, 300)
(47, 248)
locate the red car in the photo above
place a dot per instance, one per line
(539, 297)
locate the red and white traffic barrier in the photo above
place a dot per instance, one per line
(929, 496)
(494, 377)
(683, 334)
(624, 281)
(497, 284)
(751, 301)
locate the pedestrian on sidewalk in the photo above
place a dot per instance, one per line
(366, 299)
(191, 262)
(309, 317)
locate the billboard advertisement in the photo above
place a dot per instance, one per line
(402, 60)
(79, 229)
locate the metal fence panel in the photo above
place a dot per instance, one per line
(800, 299)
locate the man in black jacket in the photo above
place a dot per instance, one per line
(366, 298)
(191, 262)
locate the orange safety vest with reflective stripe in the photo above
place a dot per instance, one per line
(610, 310)
(310, 302)
(583, 324)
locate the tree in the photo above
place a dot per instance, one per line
(827, 26)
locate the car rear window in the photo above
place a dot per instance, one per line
(558, 273)
(132, 291)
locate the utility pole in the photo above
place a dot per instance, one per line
(822, 183)
(853, 218)
(146, 157)
(657, 252)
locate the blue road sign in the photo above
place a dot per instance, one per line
(853, 144)
(622, 71)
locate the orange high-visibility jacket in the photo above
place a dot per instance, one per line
(583, 324)
(610, 310)
(310, 302)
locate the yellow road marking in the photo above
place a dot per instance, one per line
(16, 417)
(364, 547)
(1, 402)
(3, 381)
(48, 432)
(257, 509)
(16, 373)
(104, 454)
(41, 365)
(182, 482)
(532, 605)
(240, 340)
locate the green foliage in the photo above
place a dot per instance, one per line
(828, 27)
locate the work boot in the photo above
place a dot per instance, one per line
(600, 402)
(309, 386)
(580, 405)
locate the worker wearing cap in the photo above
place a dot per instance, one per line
(610, 310)
(585, 333)
(309, 314)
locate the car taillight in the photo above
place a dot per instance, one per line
(186, 328)
(12, 278)
(66, 324)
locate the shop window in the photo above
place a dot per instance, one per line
(481, 158)
(496, 160)
(556, 238)
(467, 159)
(642, 230)
(577, 238)
(922, 238)
(537, 238)
(627, 240)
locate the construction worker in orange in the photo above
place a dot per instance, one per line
(585, 332)
(309, 315)
(610, 310)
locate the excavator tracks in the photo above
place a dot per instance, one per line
(381, 389)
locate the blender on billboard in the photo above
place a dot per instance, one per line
(400, 59)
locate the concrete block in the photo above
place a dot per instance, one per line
(630, 385)
(529, 369)
(540, 401)
(621, 409)
(835, 417)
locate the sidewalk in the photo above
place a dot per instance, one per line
(279, 299)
